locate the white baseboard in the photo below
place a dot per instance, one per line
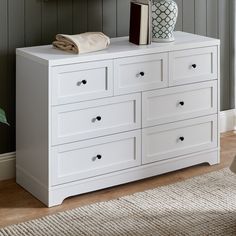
(227, 120)
(8, 160)
(7, 165)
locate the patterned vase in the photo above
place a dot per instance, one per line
(164, 17)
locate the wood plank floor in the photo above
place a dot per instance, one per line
(17, 205)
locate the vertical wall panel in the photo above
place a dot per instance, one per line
(201, 17)
(15, 40)
(224, 35)
(109, 17)
(188, 16)
(16, 24)
(95, 15)
(49, 21)
(212, 18)
(232, 53)
(5, 137)
(179, 24)
(65, 17)
(123, 12)
(33, 20)
(80, 16)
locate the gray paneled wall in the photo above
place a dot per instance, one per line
(212, 18)
(34, 22)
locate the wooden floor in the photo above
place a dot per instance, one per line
(17, 205)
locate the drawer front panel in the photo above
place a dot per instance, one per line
(140, 73)
(175, 139)
(193, 65)
(179, 103)
(91, 119)
(95, 157)
(79, 82)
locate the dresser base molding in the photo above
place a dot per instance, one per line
(57, 194)
(7, 165)
(30, 183)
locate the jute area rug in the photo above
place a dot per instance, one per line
(204, 205)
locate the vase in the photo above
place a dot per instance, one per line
(164, 18)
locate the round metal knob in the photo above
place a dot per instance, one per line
(98, 118)
(99, 157)
(181, 103)
(140, 74)
(194, 66)
(181, 139)
(84, 81)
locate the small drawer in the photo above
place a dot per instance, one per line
(80, 82)
(74, 122)
(140, 73)
(193, 65)
(94, 157)
(180, 138)
(179, 103)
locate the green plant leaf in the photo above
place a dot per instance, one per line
(3, 118)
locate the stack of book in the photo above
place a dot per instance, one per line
(140, 22)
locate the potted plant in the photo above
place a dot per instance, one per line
(3, 118)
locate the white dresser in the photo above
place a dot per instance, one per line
(87, 122)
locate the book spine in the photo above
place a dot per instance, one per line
(135, 21)
(136, 24)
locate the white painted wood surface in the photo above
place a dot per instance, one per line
(179, 103)
(119, 48)
(180, 138)
(92, 119)
(71, 142)
(32, 119)
(80, 82)
(95, 157)
(136, 74)
(193, 65)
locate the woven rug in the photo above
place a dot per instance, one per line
(204, 205)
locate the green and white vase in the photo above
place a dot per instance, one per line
(164, 17)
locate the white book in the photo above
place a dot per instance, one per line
(144, 24)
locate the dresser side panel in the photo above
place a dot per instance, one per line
(32, 119)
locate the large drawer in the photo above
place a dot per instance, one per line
(79, 82)
(180, 138)
(92, 119)
(179, 103)
(193, 65)
(140, 73)
(94, 157)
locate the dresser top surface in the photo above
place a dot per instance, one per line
(119, 47)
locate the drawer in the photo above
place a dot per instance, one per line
(95, 157)
(193, 65)
(80, 82)
(180, 138)
(179, 103)
(74, 122)
(140, 73)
